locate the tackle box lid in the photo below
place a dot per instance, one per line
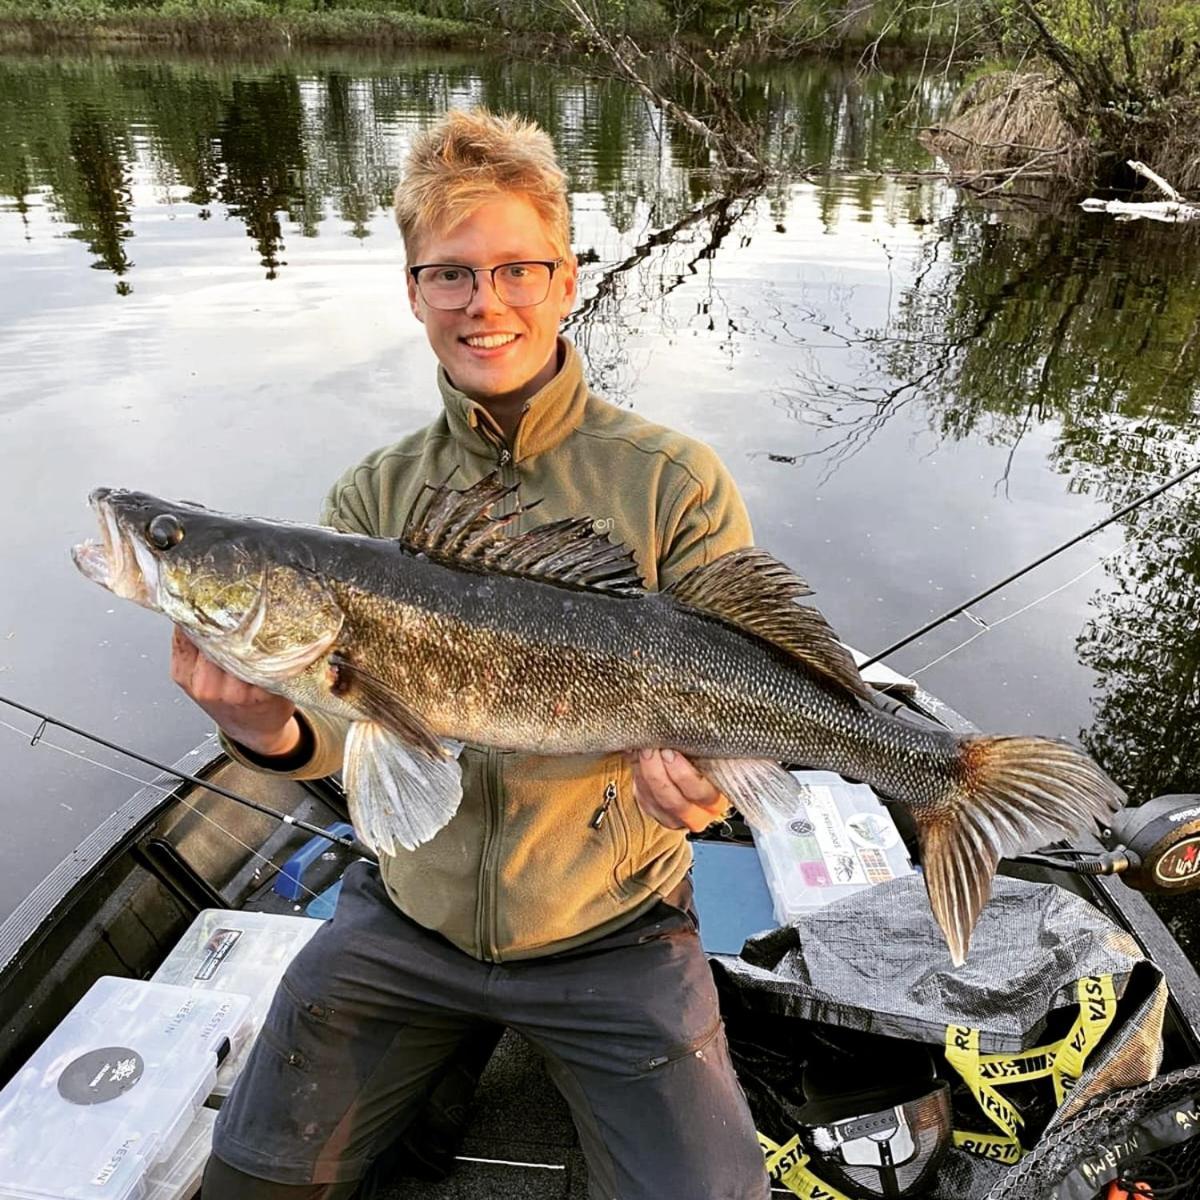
(841, 840)
(113, 1089)
(234, 951)
(178, 1177)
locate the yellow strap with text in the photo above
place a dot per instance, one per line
(962, 1053)
(788, 1165)
(1097, 1007)
(1062, 1062)
(995, 1146)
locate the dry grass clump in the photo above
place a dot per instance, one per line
(1008, 126)
(1176, 157)
(1010, 121)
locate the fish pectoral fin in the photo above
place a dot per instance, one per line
(761, 790)
(380, 703)
(754, 591)
(1008, 795)
(399, 795)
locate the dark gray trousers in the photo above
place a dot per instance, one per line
(374, 1006)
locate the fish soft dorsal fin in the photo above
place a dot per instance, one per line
(753, 590)
(462, 527)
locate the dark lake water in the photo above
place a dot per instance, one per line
(203, 296)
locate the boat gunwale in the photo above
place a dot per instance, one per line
(38, 912)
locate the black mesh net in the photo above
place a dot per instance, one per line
(1172, 1173)
(1146, 1139)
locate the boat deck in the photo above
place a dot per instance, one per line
(521, 1128)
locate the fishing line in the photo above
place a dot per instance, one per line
(158, 787)
(1079, 537)
(346, 843)
(987, 626)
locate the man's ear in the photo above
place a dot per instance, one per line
(414, 298)
(570, 277)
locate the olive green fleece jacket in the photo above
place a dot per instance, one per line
(526, 867)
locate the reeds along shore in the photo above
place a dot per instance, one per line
(1030, 123)
(805, 28)
(231, 22)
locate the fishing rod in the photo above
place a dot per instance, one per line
(1155, 847)
(1079, 537)
(347, 843)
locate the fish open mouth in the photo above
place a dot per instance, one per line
(119, 561)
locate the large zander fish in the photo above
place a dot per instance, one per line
(546, 642)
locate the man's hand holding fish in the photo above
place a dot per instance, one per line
(262, 721)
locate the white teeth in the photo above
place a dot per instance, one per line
(490, 341)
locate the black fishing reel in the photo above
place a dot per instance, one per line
(1161, 840)
(1153, 848)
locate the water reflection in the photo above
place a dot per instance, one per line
(1096, 329)
(271, 144)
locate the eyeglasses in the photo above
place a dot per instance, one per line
(517, 284)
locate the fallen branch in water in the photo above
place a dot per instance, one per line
(726, 135)
(1174, 208)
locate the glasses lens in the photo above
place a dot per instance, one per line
(522, 283)
(518, 284)
(445, 287)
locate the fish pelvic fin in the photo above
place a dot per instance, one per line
(399, 796)
(762, 791)
(754, 591)
(1009, 795)
(462, 527)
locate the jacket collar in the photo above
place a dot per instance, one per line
(550, 414)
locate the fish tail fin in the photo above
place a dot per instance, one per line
(1006, 796)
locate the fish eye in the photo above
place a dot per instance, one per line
(165, 531)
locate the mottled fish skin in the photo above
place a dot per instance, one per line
(524, 665)
(544, 643)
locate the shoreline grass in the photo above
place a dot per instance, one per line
(24, 25)
(453, 24)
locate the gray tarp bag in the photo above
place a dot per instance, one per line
(1053, 998)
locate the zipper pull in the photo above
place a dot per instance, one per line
(505, 456)
(610, 794)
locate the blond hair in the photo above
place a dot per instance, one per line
(469, 157)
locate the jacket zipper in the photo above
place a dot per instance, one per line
(488, 917)
(498, 444)
(485, 925)
(610, 794)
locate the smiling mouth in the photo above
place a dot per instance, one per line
(488, 341)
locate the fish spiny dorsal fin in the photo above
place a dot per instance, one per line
(461, 527)
(450, 519)
(757, 593)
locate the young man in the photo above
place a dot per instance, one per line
(556, 901)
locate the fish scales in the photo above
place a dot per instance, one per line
(524, 665)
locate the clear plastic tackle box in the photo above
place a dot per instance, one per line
(233, 951)
(114, 1089)
(178, 1177)
(841, 840)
